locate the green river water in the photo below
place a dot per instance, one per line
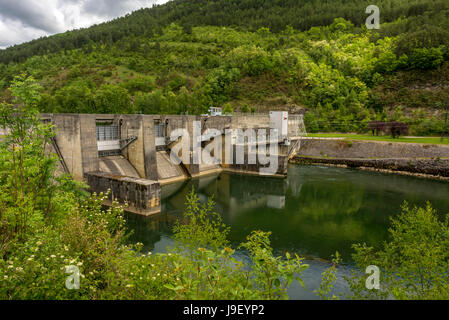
(314, 212)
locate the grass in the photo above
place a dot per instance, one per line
(348, 136)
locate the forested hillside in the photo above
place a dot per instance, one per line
(251, 55)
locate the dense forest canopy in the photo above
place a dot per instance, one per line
(248, 14)
(251, 55)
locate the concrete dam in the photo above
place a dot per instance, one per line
(133, 155)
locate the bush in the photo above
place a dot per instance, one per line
(113, 99)
(228, 109)
(251, 60)
(144, 84)
(386, 63)
(414, 263)
(219, 84)
(426, 58)
(151, 103)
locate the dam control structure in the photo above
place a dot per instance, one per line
(131, 156)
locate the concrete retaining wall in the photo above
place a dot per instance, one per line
(412, 158)
(369, 149)
(432, 167)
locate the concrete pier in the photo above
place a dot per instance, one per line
(139, 196)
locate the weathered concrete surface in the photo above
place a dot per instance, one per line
(89, 147)
(149, 147)
(425, 160)
(369, 149)
(166, 169)
(137, 195)
(142, 152)
(429, 167)
(252, 153)
(118, 165)
(76, 139)
(138, 157)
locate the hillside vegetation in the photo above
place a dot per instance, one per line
(248, 56)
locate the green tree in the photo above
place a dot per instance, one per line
(113, 99)
(75, 98)
(25, 168)
(414, 263)
(328, 280)
(423, 58)
(228, 109)
(245, 108)
(29, 189)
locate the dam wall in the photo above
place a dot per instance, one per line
(125, 152)
(139, 196)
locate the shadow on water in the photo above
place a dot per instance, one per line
(314, 212)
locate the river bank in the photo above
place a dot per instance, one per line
(420, 160)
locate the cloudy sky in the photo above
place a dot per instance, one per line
(24, 20)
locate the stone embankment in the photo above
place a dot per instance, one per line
(424, 160)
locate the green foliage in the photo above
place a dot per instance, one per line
(203, 227)
(151, 103)
(413, 263)
(206, 269)
(25, 168)
(113, 99)
(186, 57)
(272, 275)
(143, 84)
(244, 108)
(48, 223)
(77, 97)
(275, 16)
(387, 63)
(329, 279)
(251, 60)
(423, 58)
(219, 84)
(228, 109)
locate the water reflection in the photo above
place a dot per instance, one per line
(314, 212)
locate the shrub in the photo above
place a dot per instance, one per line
(251, 60)
(424, 58)
(144, 84)
(228, 109)
(113, 99)
(413, 263)
(386, 63)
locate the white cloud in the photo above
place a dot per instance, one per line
(24, 20)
